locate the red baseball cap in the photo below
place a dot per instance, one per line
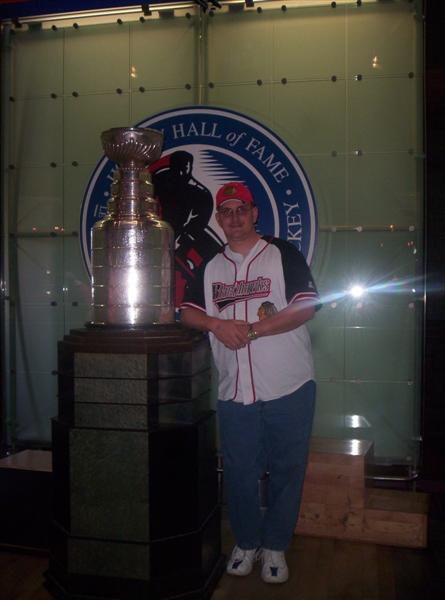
(234, 190)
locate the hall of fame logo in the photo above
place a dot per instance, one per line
(205, 147)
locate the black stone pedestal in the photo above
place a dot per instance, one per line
(136, 513)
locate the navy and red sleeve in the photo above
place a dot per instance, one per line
(298, 279)
(194, 292)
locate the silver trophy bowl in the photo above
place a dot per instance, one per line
(132, 147)
(132, 250)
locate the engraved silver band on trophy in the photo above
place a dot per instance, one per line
(132, 249)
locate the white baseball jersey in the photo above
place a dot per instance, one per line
(231, 286)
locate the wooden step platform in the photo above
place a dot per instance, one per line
(25, 499)
(28, 460)
(336, 502)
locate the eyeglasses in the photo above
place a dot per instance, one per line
(239, 211)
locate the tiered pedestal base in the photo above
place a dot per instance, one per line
(337, 504)
(136, 513)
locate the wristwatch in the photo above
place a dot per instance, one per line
(251, 333)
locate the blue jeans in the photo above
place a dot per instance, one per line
(268, 436)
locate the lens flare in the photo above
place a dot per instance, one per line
(357, 291)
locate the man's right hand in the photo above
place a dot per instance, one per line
(230, 332)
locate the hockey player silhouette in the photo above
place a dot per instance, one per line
(188, 206)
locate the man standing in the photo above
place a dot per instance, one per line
(266, 380)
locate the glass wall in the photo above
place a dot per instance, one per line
(341, 83)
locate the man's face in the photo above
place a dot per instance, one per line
(237, 220)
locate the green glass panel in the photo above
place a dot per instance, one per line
(418, 120)
(36, 405)
(381, 39)
(383, 258)
(312, 113)
(38, 63)
(374, 338)
(37, 132)
(240, 47)
(382, 114)
(75, 181)
(377, 351)
(37, 334)
(328, 341)
(384, 412)
(148, 103)
(39, 193)
(96, 59)
(309, 43)
(418, 41)
(163, 53)
(383, 190)
(76, 284)
(329, 266)
(327, 175)
(381, 311)
(254, 100)
(85, 118)
(76, 316)
(329, 411)
(39, 270)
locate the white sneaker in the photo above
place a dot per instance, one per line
(274, 568)
(241, 561)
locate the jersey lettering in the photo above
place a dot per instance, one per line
(224, 294)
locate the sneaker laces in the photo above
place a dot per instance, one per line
(238, 553)
(274, 558)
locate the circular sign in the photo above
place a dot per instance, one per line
(205, 147)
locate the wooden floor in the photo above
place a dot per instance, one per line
(325, 569)
(321, 569)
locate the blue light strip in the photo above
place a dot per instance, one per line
(19, 8)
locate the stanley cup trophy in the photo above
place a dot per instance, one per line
(132, 249)
(136, 511)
